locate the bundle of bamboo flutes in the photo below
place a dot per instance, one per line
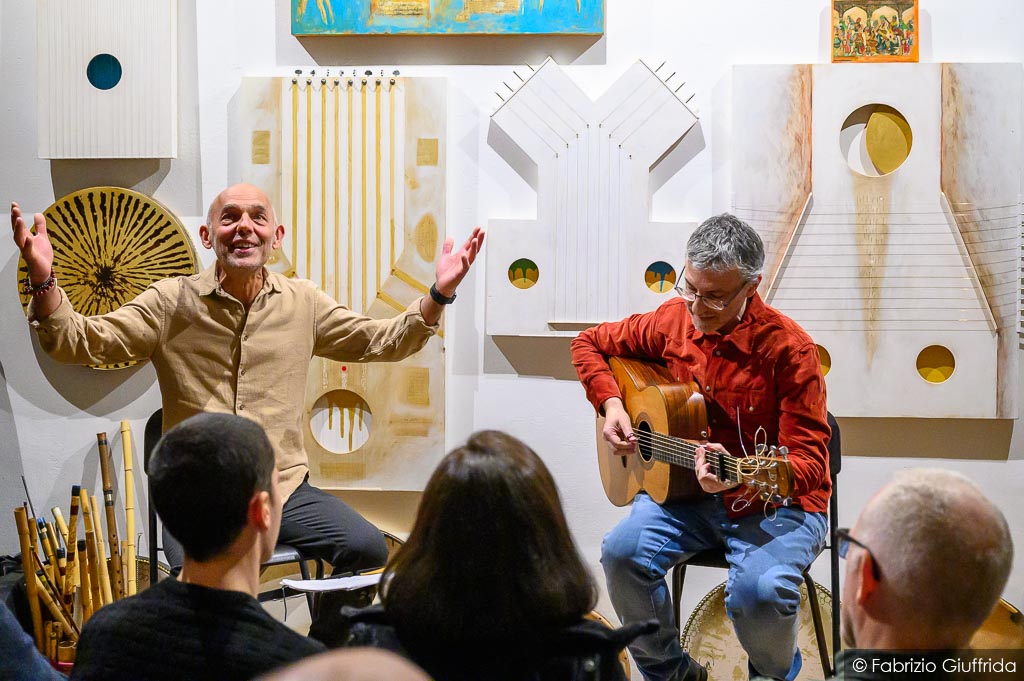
(67, 579)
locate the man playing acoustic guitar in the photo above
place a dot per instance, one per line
(757, 369)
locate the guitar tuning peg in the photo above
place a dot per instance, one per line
(784, 453)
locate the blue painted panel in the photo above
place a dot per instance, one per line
(445, 17)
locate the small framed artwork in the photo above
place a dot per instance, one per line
(875, 31)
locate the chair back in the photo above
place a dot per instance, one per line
(835, 447)
(154, 429)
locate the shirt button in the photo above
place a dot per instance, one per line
(241, 407)
(241, 372)
(707, 388)
(245, 336)
(718, 353)
(750, 408)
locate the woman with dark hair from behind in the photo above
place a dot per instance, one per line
(490, 584)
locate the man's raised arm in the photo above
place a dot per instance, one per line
(38, 254)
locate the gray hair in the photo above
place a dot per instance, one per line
(724, 242)
(943, 547)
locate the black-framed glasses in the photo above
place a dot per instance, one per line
(716, 304)
(843, 541)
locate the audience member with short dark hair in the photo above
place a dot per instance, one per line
(489, 584)
(926, 562)
(214, 485)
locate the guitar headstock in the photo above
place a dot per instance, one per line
(769, 473)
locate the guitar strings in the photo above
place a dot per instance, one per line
(683, 452)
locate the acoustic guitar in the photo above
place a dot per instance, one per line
(670, 422)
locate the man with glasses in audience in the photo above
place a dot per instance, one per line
(757, 369)
(926, 562)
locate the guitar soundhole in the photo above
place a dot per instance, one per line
(644, 440)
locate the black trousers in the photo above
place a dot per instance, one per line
(320, 525)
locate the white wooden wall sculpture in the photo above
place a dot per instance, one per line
(593, 252)
(898, 247)
(108, 78)
(356, 168)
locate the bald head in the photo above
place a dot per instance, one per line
(943, 549)
(242, 230)
(239, 194)
(350, 664)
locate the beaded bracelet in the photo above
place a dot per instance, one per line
(29, 289)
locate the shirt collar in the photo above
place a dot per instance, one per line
(741, 335)
(208, 281)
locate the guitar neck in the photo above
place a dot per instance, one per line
(677, 451)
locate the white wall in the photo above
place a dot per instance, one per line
(50, 413)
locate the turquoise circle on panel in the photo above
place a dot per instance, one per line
(660, 277)
(103, 71)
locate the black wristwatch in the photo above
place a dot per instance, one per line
(439, 298)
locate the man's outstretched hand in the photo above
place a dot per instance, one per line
(35, 248)
(452, 267)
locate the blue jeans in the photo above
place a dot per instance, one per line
(766, 561)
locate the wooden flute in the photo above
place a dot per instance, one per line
(72, 565)
(96, 562)
(106, 472)
(85, 571)
(129, 507)
(21, 518)
(105, 589)
(53, 607)
(50, 588)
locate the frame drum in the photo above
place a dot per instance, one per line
(142, 572)
(623, 658)
(1003, 630)
(710, 639)
(109, 245)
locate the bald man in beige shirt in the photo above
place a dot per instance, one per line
(237, 338)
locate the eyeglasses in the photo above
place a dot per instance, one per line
(843, 541)
(716, 304)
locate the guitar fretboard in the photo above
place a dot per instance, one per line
(680, 452)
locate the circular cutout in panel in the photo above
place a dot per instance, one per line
(660, 277)
(103, 71)
(936, 364)
(875, 140)
(340, 421)
(109, 244)
(826, 360)
(523, 273)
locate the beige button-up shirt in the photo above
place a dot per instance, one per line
(211, 355)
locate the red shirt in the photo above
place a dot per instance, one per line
(767, 366)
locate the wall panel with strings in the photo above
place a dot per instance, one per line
(356, 168)
(903, 263)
